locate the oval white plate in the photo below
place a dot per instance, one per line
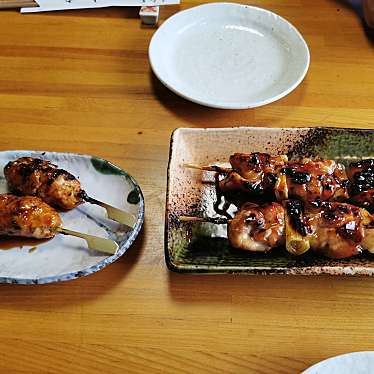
(350, 363)
(67, 257)
(229, 56)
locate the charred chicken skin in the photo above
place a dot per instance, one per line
(361, 175)
(312, 181)
(259, 175)
(335, 230)
(258, 169)
(340, 230)
(36, 177)
(27, 216)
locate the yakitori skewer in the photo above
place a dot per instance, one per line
(57, 187)
(30, 216)
(259, 175)
(336, 230)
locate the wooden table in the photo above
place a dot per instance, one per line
(80, 81)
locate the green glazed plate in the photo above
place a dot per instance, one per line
(203, 247)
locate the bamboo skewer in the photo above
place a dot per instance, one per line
(218, 169)
(93, 242)
(113, 213)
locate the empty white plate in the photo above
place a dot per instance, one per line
(350, 363)
(229, 56)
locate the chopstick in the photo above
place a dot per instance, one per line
(9, 4)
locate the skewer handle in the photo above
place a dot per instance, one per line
(114, 213)
(93, 242)
(218, 169)
(218, 221)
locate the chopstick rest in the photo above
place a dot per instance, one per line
(149, 14)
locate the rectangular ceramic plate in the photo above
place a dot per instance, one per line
(203, 247)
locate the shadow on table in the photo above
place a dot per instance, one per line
(78, 291)
(356, 7)
(202, 116)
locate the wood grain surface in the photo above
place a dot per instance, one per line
(10, 4)
(80, 81)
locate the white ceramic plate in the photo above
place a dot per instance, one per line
(350, 363)
(67, 257)
(229, 56)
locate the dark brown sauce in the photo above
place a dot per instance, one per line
(11, 242)
(298, 177)
(219, 198)
(55, 173)
(295, 210)
(367, 163)
(27, 169)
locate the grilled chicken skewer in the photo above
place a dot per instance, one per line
(57, 187)
(251, 174)
(30, 216)
(259, 175)
(336, 230)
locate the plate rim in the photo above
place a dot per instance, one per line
(225, 105)
(314, 366)
(107, 260)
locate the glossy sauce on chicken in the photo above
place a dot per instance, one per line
(259, 169)
(312, 181)
(27, 216)
(336, 230)
(261, 176)
(33, 176)
(315, 194)
(361, 175)
(253, 177)
(257, 228)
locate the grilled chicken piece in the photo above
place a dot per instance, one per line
(36, 177)
(312, 181)
(361, 175)
(340, 230)
(258, 169)
(253, 177)
(27, 216)
(336, 230)
(236, 189)
(257, 228)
